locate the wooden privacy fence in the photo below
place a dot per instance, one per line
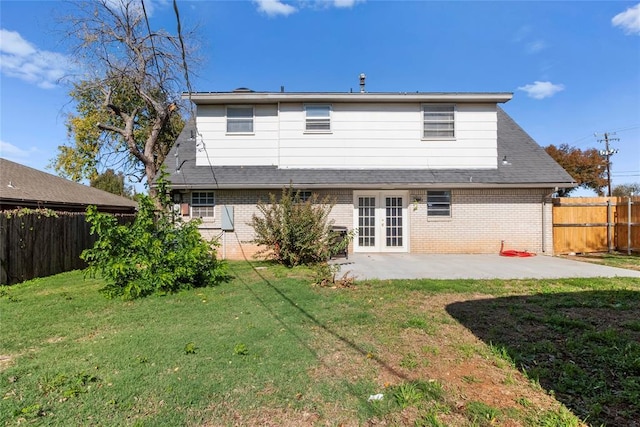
(596, 224)
(36, 245)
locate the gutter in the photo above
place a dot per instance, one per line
(204, 98)
(367, 186)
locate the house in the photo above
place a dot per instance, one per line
(25, 187)
(411, 172)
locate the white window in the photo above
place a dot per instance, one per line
(438, 121)
(239, 119)
(202, 204)
(304, 195)
(318, 118)
(439, 203)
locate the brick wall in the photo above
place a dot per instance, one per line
(479, 220)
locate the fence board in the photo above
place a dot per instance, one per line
(589, 224)
(34, 245)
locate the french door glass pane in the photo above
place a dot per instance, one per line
(393, 221)
(366, 221)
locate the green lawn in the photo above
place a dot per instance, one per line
(269, 348)
(614, 259)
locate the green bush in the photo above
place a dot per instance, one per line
(157, 253)
(295, 232)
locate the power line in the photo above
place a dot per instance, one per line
(153, 47)
(623, 129)
(184, 59)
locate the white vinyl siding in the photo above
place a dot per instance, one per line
(387, 136)
(438, 121)
(439, 203)
(239, 119)
(317, 118)
(219, 148)
(202, 204)
(363, 135)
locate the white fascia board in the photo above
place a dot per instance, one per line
(371, 186)
(203, 98)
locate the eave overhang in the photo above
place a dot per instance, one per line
(371, 186)
(216, 98)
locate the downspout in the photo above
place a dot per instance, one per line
(544, 220)
(278, 113)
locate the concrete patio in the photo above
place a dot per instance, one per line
(419, 266)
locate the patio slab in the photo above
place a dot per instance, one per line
(487, 266)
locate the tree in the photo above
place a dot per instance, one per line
(295, 232)
(626, 190)
(151, 255)
(587, 168)
(112, 182)
(127, 113)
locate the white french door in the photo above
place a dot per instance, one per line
(381, 220)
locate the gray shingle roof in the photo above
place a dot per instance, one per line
(28, 187)
(528, 166)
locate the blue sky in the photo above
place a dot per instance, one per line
(574, 67)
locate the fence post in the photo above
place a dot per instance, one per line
(629, 225)
(609, 221)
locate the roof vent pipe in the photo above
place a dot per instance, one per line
(362, 78)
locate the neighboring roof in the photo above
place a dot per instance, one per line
(528, 166)
(27, 187)
(247, 96)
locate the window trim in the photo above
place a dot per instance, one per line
(304, 195)
(212, 205)
(441, 206)
(439, 108)
(239, 119)
(308, 119)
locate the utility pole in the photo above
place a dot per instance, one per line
(607, 153)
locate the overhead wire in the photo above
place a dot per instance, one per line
(153, 47)
(184, 59)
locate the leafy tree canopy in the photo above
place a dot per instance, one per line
(112, 182)
(127, 111)
(626, 190)
(588, 168)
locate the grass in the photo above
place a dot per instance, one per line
(614, 259)
(268, 347)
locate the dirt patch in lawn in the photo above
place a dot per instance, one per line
(471, 351)
(582, 345)
(441, 351)
(5, 361)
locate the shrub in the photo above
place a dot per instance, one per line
(157, 253)
(295, 232)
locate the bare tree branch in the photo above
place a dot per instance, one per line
(133, 97)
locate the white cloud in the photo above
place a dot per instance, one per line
(536, 46)
(279, 7)
(541, 90)
(522, 33)
(10, 151)
(275, 7)
(629, 20)
(21, 59)
(345, 4)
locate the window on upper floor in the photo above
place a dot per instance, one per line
(239, 119)
(318, 118)
(439, 203)
(438, 121)
(202, 204)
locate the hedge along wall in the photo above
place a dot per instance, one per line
(42, 243)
